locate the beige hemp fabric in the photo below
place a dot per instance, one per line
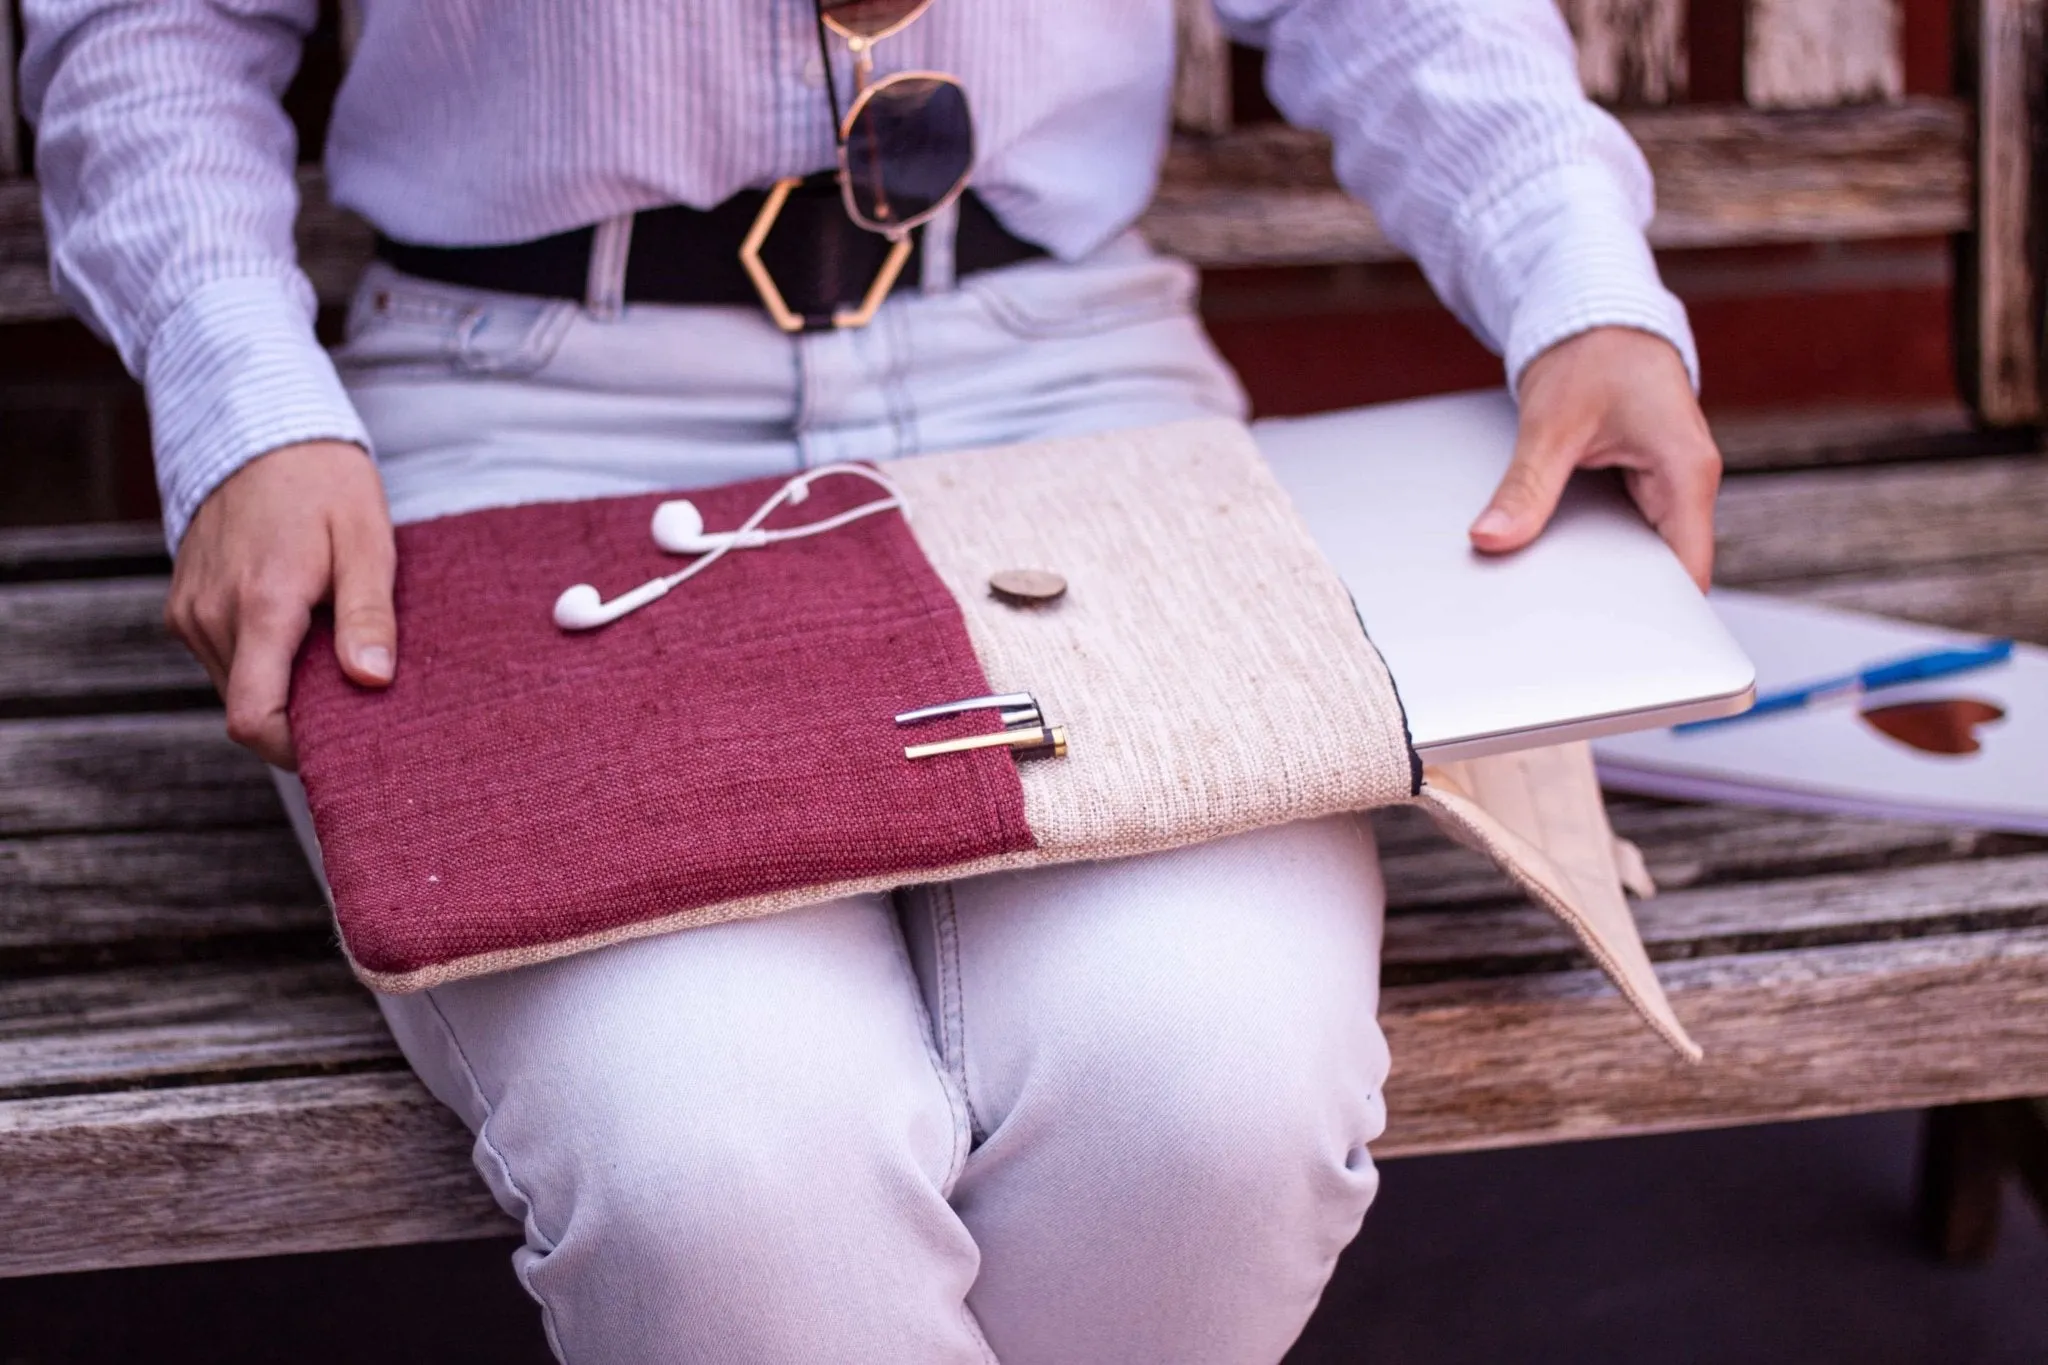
(1213, 675)
(1208, 665)
(1539, 816)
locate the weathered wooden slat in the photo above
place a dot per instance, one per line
(214, 1172)
(92, 644)
(173, 878)
(1858, 434)
(1777, 528)
(1804, 1034)
(1725, 177)
(1690, 845)
(1265, 195)
(198, 1024)
(1631, 52)
(1787, 913)
(1957, 542)
(1687, 846)
(1201, 74)
(72, 644)
(24, 259)
(2003, 50)
(101, 550)
(1814, 54)
(175, 770)
(74, 891)
(309, 1164)
(1999, 596)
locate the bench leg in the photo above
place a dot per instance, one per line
(1962, 1181)
(2025, 1125)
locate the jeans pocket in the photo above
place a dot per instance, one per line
(1048, 300)
(401, 327)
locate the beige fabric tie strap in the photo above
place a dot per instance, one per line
(1538, 815)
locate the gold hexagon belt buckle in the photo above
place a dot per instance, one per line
(771, 296)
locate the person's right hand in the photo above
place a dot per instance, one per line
(286, 531)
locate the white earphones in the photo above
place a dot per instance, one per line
(679, 528)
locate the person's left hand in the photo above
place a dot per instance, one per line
(1611, 398)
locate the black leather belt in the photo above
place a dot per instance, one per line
(821, 265)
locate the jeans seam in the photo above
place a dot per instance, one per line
(952, 996)
(531, 1223)
(953, 1078)
(912, 900)
(952, 1041)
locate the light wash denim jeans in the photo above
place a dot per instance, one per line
(1073, 1116)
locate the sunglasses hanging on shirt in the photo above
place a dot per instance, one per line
(905, 148)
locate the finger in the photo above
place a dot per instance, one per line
(1527, 496)
(259, 681)
(182, 619)
(365, 627)
(1682, 510)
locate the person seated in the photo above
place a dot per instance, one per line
(1086, 1114)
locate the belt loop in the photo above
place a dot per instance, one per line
(935, 248)
(611, 242)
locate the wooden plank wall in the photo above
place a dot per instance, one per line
(1728, 176)
(1806, 54)
(1797, 54)
(1201, 85)
(2002, 53)
(1631, 52)
(1769, 171)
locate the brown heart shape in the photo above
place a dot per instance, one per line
(1943, 725)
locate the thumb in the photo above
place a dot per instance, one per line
(1527, 495)
(365, 627)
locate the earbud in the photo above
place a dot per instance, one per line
(679, 528)
(677, 522)
(580, 608)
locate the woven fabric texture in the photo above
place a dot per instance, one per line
(1206, 661)
(1478, 802)
(519, 792)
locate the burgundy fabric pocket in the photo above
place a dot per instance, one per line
(518, 788)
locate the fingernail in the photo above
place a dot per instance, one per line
(374, 660)
(1493, 522)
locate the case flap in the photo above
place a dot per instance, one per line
(1539, 816)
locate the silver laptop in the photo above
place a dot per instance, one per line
(1593, 630)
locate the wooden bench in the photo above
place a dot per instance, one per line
(188, 1072)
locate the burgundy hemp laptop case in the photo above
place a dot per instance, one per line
(522, 791)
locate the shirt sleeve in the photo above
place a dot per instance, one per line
(166, 165)
(1462, 124)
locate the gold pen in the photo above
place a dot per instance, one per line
(1025, 740)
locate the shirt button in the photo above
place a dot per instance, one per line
(814, 73)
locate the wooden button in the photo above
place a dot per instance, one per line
(1027, 587)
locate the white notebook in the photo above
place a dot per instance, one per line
(1828, 758)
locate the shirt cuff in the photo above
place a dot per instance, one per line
(233, 373)
(1572, 257)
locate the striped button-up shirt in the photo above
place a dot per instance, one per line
(166, 160)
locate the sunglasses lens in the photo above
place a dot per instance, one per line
(910, 144)
(869, 19)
